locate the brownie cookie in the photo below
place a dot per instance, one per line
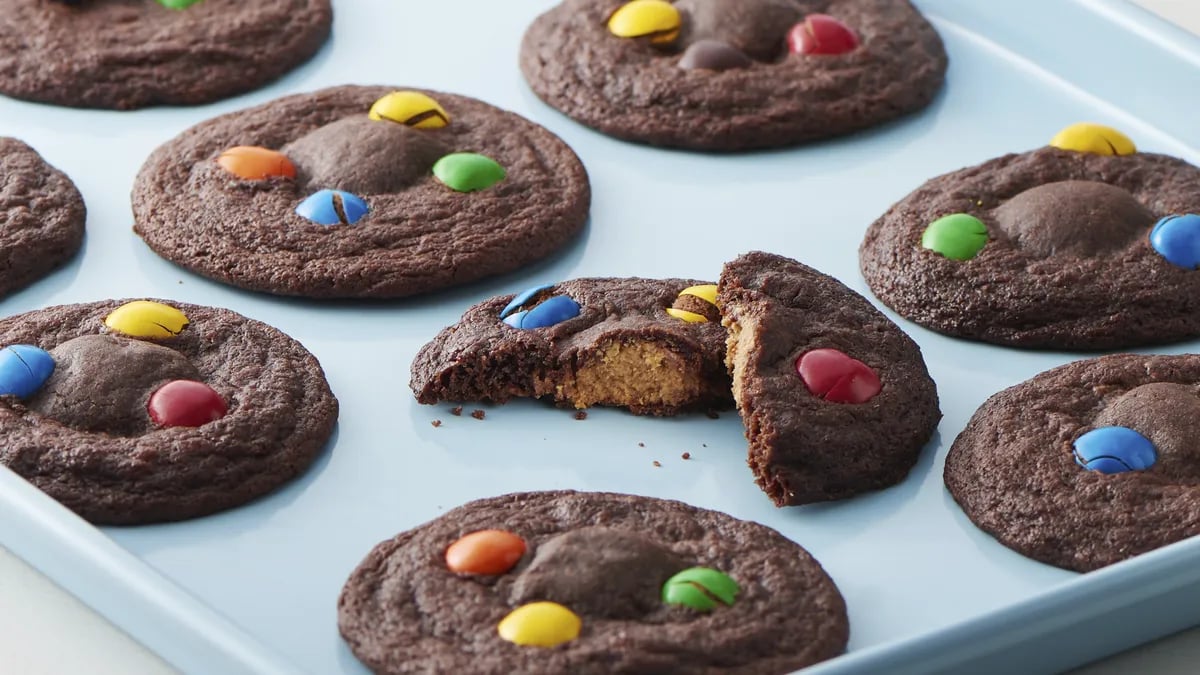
(654, 346)
(142, 412)
(579, 582)
(41, 216)
(1085, 244)
(1087, 464)
(360, 192)
(125, 54)
(733, 74)
(836, 399)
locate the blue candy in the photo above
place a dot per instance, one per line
(321, 208)
(522, 298)
(1177, 238)
(24, 369)
(514, 320)
(1114, 450)
(550, 312)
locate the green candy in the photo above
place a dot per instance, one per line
(177, 4)
(958, 236)
(468, 172)
(699, 588)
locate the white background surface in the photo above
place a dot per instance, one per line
(43, 630)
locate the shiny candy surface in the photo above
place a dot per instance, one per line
(520, 299)
(706, 292)
(641, 18)
(185, 403)
(23, 370)
(958, 236)
(411, 108)
(333, 207)
(700, 588)
(1177, 238)
(251, 162)
(468, 171)
(540, 624)
(832, 375)
(1114, 450)
(551, 311)
(177, 4)
(146, 319)
(485, 552)
(684, 315)
(823, 35)
(713, 55)
(1094, 138)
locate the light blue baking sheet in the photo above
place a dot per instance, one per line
(254, 589)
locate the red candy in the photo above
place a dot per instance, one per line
(185, 403)
(837, 378)
(821, 34)
(485, 552)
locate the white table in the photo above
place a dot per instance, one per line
(46, 631)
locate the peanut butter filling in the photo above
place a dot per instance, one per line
(632, 374)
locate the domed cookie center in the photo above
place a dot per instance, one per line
(102, 383)
(364, 156)
(1169, 415)
(598, 572)
(1073, 218)
(756, 27)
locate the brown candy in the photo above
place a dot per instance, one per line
(758, 28)
(713, 55)
(1168, 414)
(1075, 217)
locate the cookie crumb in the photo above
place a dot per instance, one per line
(436, 423)
(704, 445)
(478, 414)
(657, 463)
(686, 455)
(456, 410)
(641, 445)
(581, 415)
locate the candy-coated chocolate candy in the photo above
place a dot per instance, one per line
(146, 319)
(958, 236)
(540, 624)
(177, 4)
(1093, 138)
(185, 403)
(1177, 238)
(837, 378)
(684, 315)
(468, 171)
(411, 108)
(549, 312)
(700, 588)
(254, 163)
(706, 292)
(520, 299)
(332, 207)
(24, 369)
(696, 304)
(821, 34)
(655, 19)
(713, 55)
(485, 552)
(1114, 450)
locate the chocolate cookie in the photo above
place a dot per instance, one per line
(1087, 464)
(360, 192)
(733, 74)
(125, 54)
(654, 346)
(1053, 248)
(836, 399)
(41, 216)
(578, 582)
(142, 412)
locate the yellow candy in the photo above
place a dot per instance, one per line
(1094, 138)
(145, 319)
(412, 108)
(540, 624)
(690, 317)
(640, 18)
(707, 292)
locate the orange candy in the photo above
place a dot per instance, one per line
(485, 552)
(255, 163)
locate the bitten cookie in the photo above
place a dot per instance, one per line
(360, 192)
(578, 582)
(733, 74)
(123, 55)
(41, 216)
(1087, 464)
(654, 346)
(836, 399)
(1085, 244)
(139, 412)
